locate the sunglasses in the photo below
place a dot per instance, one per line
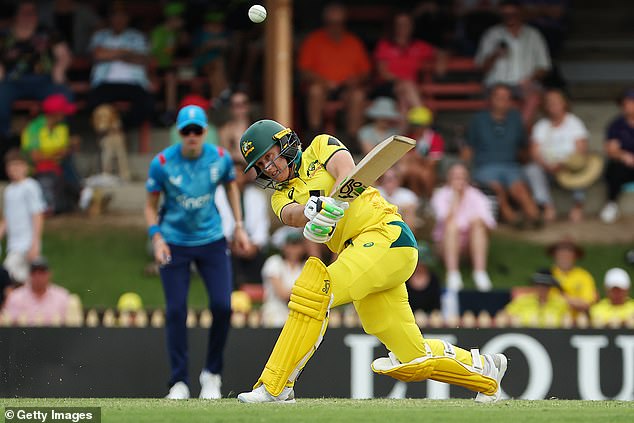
(192, 129)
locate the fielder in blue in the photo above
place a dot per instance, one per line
(188, 229)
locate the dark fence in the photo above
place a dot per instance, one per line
(111, 362)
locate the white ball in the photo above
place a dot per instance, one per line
(257, 13)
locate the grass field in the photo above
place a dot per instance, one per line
(344, 410)
(101, 261)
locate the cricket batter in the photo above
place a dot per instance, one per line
(376, 255)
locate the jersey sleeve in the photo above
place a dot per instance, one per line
(279, 200)
(155, 179)
(324, 146)
(230, 172)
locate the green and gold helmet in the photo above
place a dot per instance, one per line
(260, 137)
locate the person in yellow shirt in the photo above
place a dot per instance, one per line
(545, 307)
(376, 254)
(618, 307)
(48, 143)
(577, 284)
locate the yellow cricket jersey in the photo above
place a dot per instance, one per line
(368, 211)
(530, 312)
(604, 311)
(577, 283)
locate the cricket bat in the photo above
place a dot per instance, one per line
(372, 166)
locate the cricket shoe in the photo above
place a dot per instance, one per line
(260, 394)
(178, 391)
(495, 367)
(210, 384)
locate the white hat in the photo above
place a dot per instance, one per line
(383, 108)
(617, 278)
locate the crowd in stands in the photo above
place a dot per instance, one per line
(515, 150)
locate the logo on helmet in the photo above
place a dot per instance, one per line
(247, 147)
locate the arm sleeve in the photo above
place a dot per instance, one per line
(438, 204)
(325, 146)
(279, 200)
(486, 47)
(96, 40)
(155, 180)
(138, 43)
(35, 199)
(272, 267)
(230, 172)
(542, 57)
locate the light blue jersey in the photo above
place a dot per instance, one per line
(189, 216)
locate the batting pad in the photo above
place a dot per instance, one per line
(304, 329)
(443, 368)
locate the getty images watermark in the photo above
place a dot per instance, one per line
(52, 414)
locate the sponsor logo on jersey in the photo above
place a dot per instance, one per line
(214, 174)
(193, 203)
(368, 244)
(176, 180)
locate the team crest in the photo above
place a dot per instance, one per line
(246, 147)
(312, 168)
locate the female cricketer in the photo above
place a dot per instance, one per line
(188, 230)
(376, 255)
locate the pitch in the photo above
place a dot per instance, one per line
(330, 410)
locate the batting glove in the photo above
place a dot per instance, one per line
(318, 233)
(324, 211)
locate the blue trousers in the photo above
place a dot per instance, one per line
(214, 266)
(29, 87)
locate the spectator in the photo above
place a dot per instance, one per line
(495, 140)
(556, 139)
(475, 18)
(74, 21)
(423, 287)
(239, 121)
(420, 164)
(576, 284)
(210, 45)
(23, 217)
(618, 306)
(545, 307)
(203, 103)
(463, 218)
(390, 187)
(165, 40)
(334, 64)
(515, 54)
(121, 56)
(39, 302)
(247, 262)
(47, 141)
(383, 116)
(279, 274)
(400, 59)
(33, 63)
(435, 22)
(619, 147)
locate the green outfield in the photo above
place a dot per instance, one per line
(344, 410)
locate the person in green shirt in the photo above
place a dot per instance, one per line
(165, 40)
